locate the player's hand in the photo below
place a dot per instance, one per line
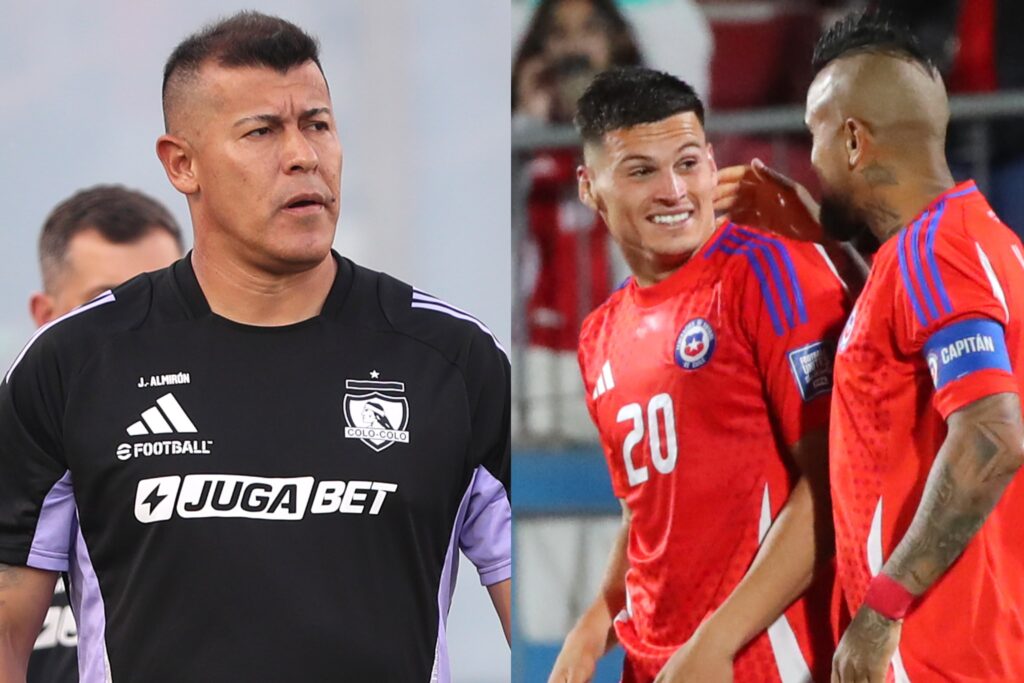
(700, 660)
(758, 196)
(866, 649)
(576, 662)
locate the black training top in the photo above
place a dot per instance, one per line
(260, 504)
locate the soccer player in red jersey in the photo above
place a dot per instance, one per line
(926, 432)
(708, 376)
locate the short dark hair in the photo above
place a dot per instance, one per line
(630, 96)
(120, 215)
(243, 39)
(869, 31)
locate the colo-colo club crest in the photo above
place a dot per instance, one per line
(376, 413)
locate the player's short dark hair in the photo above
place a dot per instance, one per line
(874, 32)
(120, 215)
(631, 96)
(243, 39)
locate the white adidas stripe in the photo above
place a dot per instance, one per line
(105, 298)
(424, 301)
(172, 419)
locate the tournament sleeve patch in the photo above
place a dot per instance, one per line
(966, 347)
(812, 368)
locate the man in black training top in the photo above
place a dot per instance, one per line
(237, 519)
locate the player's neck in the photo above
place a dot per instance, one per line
(244, 294)
(894, 206)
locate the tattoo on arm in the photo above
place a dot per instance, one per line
(979, 458)
(9, 576)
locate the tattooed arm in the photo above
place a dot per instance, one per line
(981, 454)
(25, 593)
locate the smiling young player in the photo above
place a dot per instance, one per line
(708, 376)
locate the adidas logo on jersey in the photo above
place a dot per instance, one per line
(166, 417)
(605, 382)
(228, 495)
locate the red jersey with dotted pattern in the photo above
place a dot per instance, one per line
(698, 385)
(954, 267)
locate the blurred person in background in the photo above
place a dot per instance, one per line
(708, 375)
(90, 243)
(254, 357)
(565, 261)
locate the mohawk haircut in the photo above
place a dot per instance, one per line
(630, 96)
(243, 39)
(869, 32)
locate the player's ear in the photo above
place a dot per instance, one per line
(854, 137)
(177, 157)
(42, 308)
(585, 185)
(711, 160)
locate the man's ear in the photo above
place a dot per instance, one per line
(178, 159)
(42, 307)
(857, 138)
(711, 159)
(585, 185)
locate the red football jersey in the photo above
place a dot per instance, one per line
(698, 384)
(929, 335)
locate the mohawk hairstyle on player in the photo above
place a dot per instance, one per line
(244, 39)
(869, 32)
(629, 96)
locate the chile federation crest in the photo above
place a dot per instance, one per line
(695, 344)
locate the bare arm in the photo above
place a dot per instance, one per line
(981, 454)
(501, 596)
(593, 635)
(784, 566)
(25, 593)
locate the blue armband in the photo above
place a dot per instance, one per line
(965, 347)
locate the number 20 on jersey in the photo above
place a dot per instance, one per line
(660, 418)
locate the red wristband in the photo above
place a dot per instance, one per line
(888, 597)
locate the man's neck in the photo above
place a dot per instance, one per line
(248, 295)
(891, 207)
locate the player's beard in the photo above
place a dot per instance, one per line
(844, 222)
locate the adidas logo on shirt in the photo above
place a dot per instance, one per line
(166, 417)
(605, 382)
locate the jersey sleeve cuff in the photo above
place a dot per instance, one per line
(37, 559)
(961, 392)
(496, 574)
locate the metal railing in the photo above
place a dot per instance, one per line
(974, 114)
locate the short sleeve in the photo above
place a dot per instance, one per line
(950, 308)
(795, 306)
(37, 506)
(485, 535)
(603, 382)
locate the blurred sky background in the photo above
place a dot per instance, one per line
(421, 97)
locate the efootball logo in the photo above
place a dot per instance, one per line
(376, 413)
(695, 344)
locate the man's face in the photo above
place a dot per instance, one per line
(267, 162)
(92, 265)
(578, 29)
(841, 218)
(652, 185)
